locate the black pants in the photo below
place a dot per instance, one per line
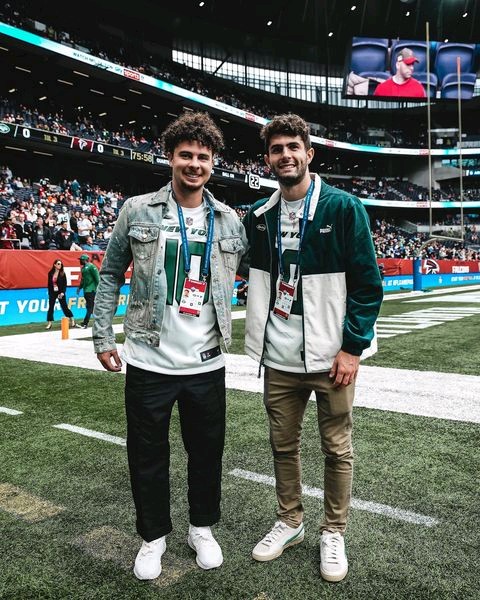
(89, 300)
(149, 399)
(63, 303)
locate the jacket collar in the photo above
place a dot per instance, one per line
(275, 199)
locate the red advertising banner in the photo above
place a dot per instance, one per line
(24, 269)
(402, 266)
(433, 266)
(396, 266)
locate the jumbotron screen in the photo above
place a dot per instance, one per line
(393, 69)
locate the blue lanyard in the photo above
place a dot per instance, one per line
(306, 209)
(185, 249)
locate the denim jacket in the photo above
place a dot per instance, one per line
(136, 237)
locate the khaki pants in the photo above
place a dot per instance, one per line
(285, 397)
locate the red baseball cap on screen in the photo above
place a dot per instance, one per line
(406, 55)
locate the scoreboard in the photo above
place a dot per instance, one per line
(25, 136)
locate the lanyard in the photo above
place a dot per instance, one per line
(306, 209)
(186, 250)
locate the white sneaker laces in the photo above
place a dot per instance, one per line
(274, 534)
(204, 535)
(149, 547)
(332, 545)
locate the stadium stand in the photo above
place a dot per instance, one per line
(137, 130)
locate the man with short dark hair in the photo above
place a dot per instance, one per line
(64, 237)
(313, 299)
(88, 283)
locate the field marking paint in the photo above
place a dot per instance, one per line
(10, 411)
(466, 297)
(30, 508)
(94, 434)
(388, 335)
(421, 319)
(373, 507)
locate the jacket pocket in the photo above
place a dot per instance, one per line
(143, 240)
(230, 248)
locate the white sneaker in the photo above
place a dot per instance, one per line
(333, 560)
(209, 553)
(274, 543)
(148, 564)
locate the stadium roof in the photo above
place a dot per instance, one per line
(317, 30)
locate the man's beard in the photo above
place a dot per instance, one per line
(190, 186)
(291, 180)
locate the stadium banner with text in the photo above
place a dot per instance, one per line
(19, 307)
(430, 266)
(27, 269)
(23, 285)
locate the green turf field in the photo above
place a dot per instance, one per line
(66, 513)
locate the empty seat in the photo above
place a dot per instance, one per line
(369, 54)
(446, 59)
(418, 48)
(422, 78)
(449, 88)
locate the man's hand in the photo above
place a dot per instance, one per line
(106, 359)
(344, 369)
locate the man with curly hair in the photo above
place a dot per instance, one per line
(185, 247)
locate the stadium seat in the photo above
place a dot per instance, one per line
(422, 78)
(418, 48)
(369, 54)
(446, 59)
(449, 87)
(375, 74)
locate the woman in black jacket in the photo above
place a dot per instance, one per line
(57, 286)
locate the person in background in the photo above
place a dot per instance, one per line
(7, 234)
(185, 247)
(85, 227)
(242, 292)
(88, 283)
(402, 84)
(41, 235)
(89, 244)
(313, 281)
(23, 231)
(64, 237)
(57, 288)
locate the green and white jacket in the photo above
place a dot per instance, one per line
(340, 289)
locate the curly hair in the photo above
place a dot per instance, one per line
(287, 124)
(193, 127)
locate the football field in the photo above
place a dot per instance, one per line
(66, 512)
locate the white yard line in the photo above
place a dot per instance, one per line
(374, 507)
(105, 437)
(10, 411)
